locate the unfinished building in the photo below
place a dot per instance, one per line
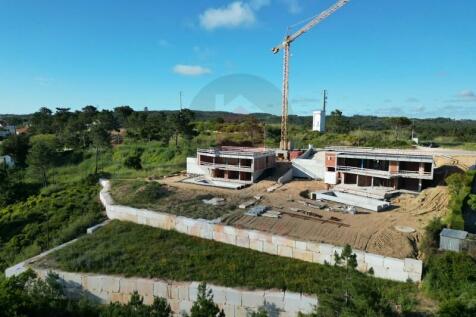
(392, 169)
(234, 164)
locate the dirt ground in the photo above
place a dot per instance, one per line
(369, 231)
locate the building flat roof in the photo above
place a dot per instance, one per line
(237, 151)
(455, 234)
(398, 154)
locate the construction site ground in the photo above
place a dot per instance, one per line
(370, 231)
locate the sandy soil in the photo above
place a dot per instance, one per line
(372, 232)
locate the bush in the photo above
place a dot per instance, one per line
(150, 192)
(46, 220)
(459, 186)
(450, 275)
(451, 279)
(431, 238)
(134, 162)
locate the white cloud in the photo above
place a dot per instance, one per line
(468, 94)
(293, 6)
(258, 4)
(191, 70)
(234, 15)
(464, 96)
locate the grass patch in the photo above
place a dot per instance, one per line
(168, 199)
(119, 248)
(56, 215)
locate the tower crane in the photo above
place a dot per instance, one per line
(286, 44)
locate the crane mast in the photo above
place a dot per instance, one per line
(286, 46)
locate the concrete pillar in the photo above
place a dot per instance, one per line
(419, 185)
(342, 178)
(421, 168)
(362, 163)
(372, 182)
(357, 182)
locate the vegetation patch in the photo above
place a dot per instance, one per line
(459, 186)
(119, 248)
(155, 196)
(56, 215)
(451, 279)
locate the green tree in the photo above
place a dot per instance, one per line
(204, 305)
(156, 128)
(181, 123)
(398, 123)
(337, 123)
(41, 158)
(6, 190)
(17, 146)
(123, 113)
(75, 134)
(42, 121)
(101, 139)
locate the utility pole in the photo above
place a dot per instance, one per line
(180, 99)
(324, 101)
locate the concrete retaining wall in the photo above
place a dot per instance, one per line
(383, 267)
(181, 295)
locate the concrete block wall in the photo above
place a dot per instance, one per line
(181, 295)
(383, 267)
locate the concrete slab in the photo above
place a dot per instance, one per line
(253, 299)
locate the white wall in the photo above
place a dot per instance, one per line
(181, 295)
(193, 168)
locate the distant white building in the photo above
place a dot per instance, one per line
(319, 117)
(7, 160)
(7, 130)
(319, 120)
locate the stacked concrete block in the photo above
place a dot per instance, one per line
(383, 267)
(181, 295)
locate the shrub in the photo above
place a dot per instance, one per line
(459, 186)
(431, 238)
(134, 162)
(450, 275)
(46, 220)
(150, 192)
(204, 305)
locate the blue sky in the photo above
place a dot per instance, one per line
(405, 57)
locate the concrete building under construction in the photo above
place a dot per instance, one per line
(378, 168)
(234, 164)
(368, 167)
